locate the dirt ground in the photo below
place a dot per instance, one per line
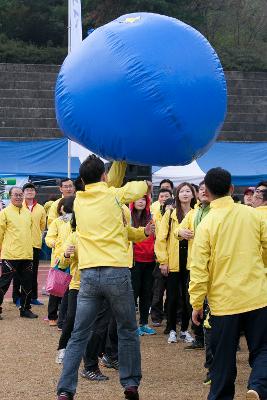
(28, 369)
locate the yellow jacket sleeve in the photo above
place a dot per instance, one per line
(132, 191)
(43, 220)
(65, 262)
(264, 241)
(199, 274)
(185, 224)
(161, 248)
(52, 214)
(2, 227)
(116, 173)
(136, 234)
(52, 234)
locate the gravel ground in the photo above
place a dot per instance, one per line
(28, 369)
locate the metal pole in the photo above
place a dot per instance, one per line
(69, 50)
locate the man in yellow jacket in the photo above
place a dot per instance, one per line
(228, 262)
(67, 189)
(16, 250)
(103, 261)
(38, 225)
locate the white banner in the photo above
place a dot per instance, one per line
(75, 24)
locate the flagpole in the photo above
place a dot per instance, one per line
(69, 50)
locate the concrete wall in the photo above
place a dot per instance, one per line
(27, 104)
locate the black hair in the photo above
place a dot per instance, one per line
(67, 203)
(262, 183)
(218, 181)
(11, 189)
(196, 187)
(201, 183)
(166, 181)
(164, 191)
(92, 169)
(64, 180)
(264, 195)
(29, 185)
(73, 222)
(236, 198)
(79, 185)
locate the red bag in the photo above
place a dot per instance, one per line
(57, 282)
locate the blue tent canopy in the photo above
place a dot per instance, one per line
(38, 157)
(247, 162)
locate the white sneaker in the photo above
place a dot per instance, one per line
(186, 337)
(172, 337)
(60, 356)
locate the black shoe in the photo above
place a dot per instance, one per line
(65, 396)
(28, 314)
(107, 362)
(195, 345)
(131, 393)
(166, 331)
(95, 375)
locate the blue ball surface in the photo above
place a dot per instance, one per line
(144, 88)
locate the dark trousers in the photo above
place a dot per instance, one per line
(183, 279)
(70, 318)
(102, 339)
(224, 341)
(53, 305)
(63, 308)
(23, 269)
(16, 294)
(142, 282)
(208, 351)
(159, 287)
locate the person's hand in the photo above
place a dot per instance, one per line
(53, 245)
(150, 228)
(186, 234)
(197, 316)
(164, 269)
(69, 251)
(149, 187)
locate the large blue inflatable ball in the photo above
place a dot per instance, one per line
(145, 88)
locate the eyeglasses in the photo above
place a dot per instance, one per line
(67, 186)
(17, 196)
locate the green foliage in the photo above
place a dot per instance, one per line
(36, 30)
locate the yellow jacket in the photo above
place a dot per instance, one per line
(228, 257)
(263, 211)
(38, 224)
(72, 261)
(166, 245)
(57, 234)
(155, 207)
(115, 178)
(102, 235)
(134, 234)
(16, 233)
(157, 218)
(47, 206)
(188, 223)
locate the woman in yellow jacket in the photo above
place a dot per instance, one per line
(57, 234)
(172, 256)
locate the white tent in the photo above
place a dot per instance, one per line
(191, 173)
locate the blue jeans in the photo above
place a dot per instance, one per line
(114, 285)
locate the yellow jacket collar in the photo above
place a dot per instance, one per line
(261, 208)
(222, 202)
(14, 207)
(95, 185)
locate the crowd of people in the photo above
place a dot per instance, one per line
(195, 257)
